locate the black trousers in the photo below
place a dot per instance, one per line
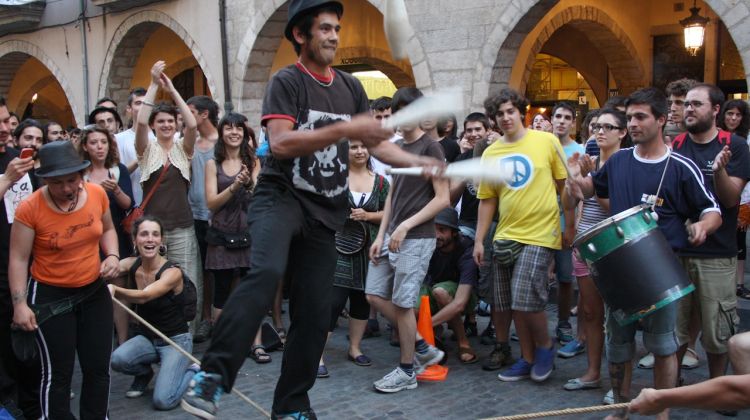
(19, 381)
(358, 306)
(85, 330)
(283, 238)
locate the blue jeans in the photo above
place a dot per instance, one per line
(135, 356)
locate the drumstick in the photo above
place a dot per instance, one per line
(397, 28)
(490, 171)
(438, 104)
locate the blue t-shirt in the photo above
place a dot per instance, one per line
(628, 180)
(592, 149)
(723, 242)
(569, 150)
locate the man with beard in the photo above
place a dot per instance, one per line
(631, 177)
(19, 381)
(451, 280)
(300, 200)
(725, 163)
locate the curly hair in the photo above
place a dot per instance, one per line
(113, 156)
(493, 103)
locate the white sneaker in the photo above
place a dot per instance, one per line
(609, 398)
(647, 361)
(396, 381)
(432, 356)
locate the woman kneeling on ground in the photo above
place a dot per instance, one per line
(156, 288)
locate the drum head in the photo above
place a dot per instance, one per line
(352, 238)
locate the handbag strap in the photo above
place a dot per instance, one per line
(145, 201)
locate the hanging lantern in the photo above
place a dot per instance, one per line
(694, 28)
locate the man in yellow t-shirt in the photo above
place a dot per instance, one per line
(528, 232)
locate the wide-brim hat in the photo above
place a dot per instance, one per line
(447, 217)
(59, 158)
(300, 8)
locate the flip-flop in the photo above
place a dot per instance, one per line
(258, 353)
(467, 350)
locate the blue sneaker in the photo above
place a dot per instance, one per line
(520, 370)
(308, 414)
(202, 397)
(571, 349)
(543, 363)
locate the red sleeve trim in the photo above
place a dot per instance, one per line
(264, 119)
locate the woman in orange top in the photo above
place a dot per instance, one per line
(64, 224)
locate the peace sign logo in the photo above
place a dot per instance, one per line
(520, 169)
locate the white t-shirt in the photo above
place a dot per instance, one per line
(379, 167)
(126, 148)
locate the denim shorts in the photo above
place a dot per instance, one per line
(658, 335)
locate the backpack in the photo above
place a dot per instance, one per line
(725, 139)
(189, 293)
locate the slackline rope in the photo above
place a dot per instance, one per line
(563, 412)
(186, 354)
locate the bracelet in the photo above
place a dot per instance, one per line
(112, 255)
(151, 104)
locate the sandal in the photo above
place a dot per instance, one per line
(743, 292)
(258, 353)
(464, 351)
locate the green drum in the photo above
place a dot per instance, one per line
(632, 264)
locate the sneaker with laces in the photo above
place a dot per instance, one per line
(544, 363)
(499, 357)
(488, 335)
(520, 370)
(571, 349)
(139, 385)
(432, 356)
(308, 414)
(397, 380)
(202, 396)
(564, 332)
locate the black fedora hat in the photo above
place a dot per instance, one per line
(300, 8)
(59, 158)
(447, 217)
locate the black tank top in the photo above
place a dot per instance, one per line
(165, 312)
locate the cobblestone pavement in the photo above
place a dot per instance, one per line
(468, 393)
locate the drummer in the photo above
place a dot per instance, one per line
(631, 177)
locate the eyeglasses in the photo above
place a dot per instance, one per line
(607, 127)
(694, 104)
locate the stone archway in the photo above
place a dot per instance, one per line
(613, 43)
(125, 47)
(262, 40)
(14, 54)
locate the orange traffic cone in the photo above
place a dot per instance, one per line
(434, 373)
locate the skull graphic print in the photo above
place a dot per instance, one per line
(325, 172)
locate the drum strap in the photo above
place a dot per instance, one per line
(661, 181)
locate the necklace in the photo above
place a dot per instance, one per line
(330, 74)
(72, 205)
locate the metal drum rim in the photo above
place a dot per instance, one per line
(593, 230)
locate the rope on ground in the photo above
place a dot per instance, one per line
(186, 354)
(563, 412)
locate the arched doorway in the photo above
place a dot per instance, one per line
(138, 43)
(363, 47)
(629, 56)
(33, 85)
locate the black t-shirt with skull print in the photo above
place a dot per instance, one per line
(320, 180)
